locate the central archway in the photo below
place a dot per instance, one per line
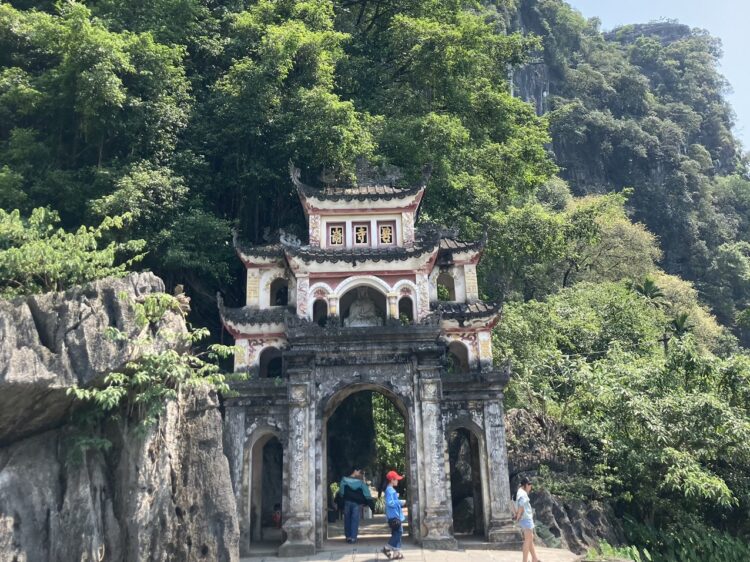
(361, 396)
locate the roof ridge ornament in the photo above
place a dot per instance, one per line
(288, 239)
(362, 191)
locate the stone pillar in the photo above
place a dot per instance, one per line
(407, 228)
(470, 281)
(303, 287)
(298, 522)
(333, 309)
(314, 230)
(501, 530)
(241, 355)
(484, 347)
(438, 514)
(252, 291)
(392, 305)
(422, 296)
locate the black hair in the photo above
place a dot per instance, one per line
(355, 468)
(526, 480)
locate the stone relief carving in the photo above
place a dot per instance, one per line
(423, 296)
(407, 228)
(303, 286)
(314, 230)
(298, 394)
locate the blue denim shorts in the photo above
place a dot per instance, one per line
(526, 524)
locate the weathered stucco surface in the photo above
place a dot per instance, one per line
(322, 367)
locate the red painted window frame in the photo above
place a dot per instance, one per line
(392, 224)
(354, 234)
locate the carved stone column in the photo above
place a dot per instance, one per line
(298, 522)
(438, 514)
(501, 530)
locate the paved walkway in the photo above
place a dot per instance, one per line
(369, 551)
(373, 534)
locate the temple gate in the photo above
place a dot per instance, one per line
(369, 303)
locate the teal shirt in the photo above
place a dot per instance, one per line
(354, 484)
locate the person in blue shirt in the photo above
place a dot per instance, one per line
(394, 514)
(525, 518)
(355, 493)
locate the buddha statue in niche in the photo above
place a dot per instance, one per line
(363, 311)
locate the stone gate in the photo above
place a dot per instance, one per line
(369, 303)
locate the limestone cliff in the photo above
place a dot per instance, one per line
(163, 496)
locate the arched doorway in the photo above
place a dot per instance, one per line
(279, 292)
(270, 363)
(320, 312)
(466, 478)
(360, 419)
(262, 493)
(406, 310)
(458, 358)
(446, 287)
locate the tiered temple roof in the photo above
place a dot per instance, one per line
(362, 238)
(371, 193)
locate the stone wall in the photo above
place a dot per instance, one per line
(163, 496)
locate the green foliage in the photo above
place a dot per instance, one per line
(687, 542)
(662, 434)
(36, 256)
(539, 250)
(380, 505)
(167, 366)
(79, 100)
(390, 435)
(604, 551)
(643, 106)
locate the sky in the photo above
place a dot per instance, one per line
(727, 19)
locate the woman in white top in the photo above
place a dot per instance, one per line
(525, 520)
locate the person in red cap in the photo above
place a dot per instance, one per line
(394, 515)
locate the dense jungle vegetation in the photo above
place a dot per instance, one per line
(615, 197)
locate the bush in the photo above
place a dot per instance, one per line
(605, 551)
(686, 542)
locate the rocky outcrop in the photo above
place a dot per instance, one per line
(579, 525)
(52, 341)
(163, 496)
(533, 441)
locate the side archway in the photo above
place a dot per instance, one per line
(262, 490)
(468, 479)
